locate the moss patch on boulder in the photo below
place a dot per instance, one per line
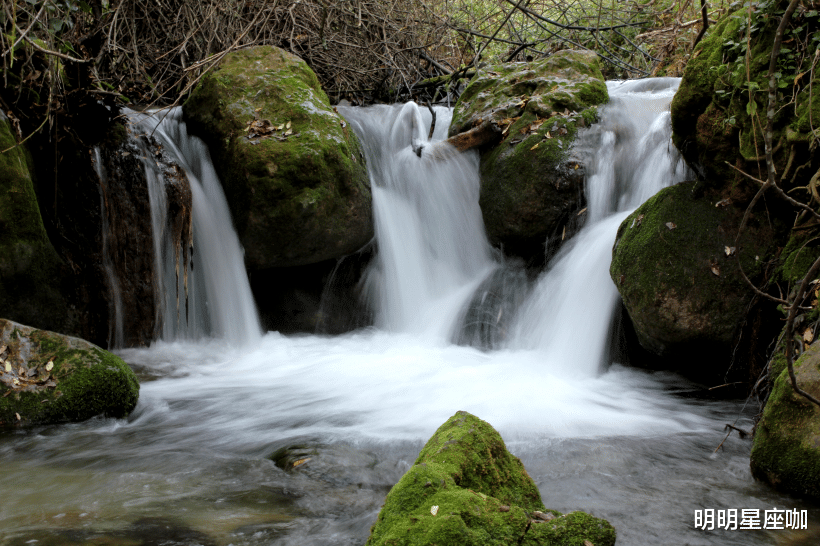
(786, 450)
(293, 171)
(719, 111)
(675, 264)
(530, 184)
(30, 269)
(465, 488)
(50, 378)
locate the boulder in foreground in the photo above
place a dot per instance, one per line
(465, 488)
(51, 378)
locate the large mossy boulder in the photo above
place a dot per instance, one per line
(719, 111)
(465, 488)
(786, 450)
(31, 272)
(51, 378)
(675, 264)
(531, 187)
(292, 169)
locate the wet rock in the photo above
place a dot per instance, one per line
(531, 183)
(292, 169)
(786, 450)
(31, 272)
(466, 488)
(681, 287)
(50, 378)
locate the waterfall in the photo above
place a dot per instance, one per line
(200, 267)
(116, 330)
(630, 158)
(432, 249)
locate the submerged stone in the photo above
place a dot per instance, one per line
(675, 264)
(292, 169)
(531, 186)
(786, 450)
(465, 488)
(51, 378)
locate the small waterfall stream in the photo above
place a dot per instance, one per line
(192, 464)
(201, 270)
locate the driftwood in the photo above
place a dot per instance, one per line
(486, 133)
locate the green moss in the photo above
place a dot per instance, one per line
(797, 257)
(465, 488)
(295, 199)
(85, 380)
(30, 270)
(682, 290)
(786, 450)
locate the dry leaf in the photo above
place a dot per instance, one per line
(49, 366)
(18, 416)
(583, 210)
(564, 233)
(723, 202)
(548, 135)
(258, 109)
(288, 132)
(586, 542)
(287, 125)
(715, 268)
(300, 462)
(8, 367)
(671, 225)
(434, 510)
(637, 221)
(3, 348)
(808, 335)
(729, 250)
(576, 166)
(534, 147)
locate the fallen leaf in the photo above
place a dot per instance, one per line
(564, 233)
(729, 250)
(503, 508)
(639, 219)
(49, 366)
(548, 135)
(434, 510)
(18, 416)
(3, 348)
(588, 543)
(8, 367)
(576, 166)
(671, 225)
(723, 202)
(288, 132)
(287, 125)
(258, 109)
(534, 147)
(808, 335)
(715, 268)
(300, 462)
(583, 210)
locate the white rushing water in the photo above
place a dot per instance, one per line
(630, 158)
(210, 295)
(191, 465)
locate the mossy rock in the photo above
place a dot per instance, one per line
(715, 123)
(296, 198)
(30, 269)
(786, 449)
(465, 488)
(51, 378)
(530, 184)
(675, 264)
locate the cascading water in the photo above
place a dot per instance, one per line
(193, 463)
(116, 331)
(200, 263)
(432, 250)
(630, 158)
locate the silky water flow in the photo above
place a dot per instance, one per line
(192, 464)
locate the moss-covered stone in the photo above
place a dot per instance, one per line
(530, 186)
(465, 488)
(786, 450)
(675, 263)
(299, 194)
(50, 378)
(719, 111)
(30, 269)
